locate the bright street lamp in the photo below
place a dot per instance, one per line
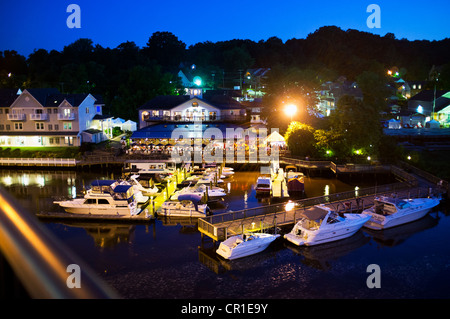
(290, 110)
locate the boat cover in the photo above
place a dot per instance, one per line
(195, 198)
(314, 213)
(122, 188)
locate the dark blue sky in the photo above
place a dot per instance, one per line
(26, 25)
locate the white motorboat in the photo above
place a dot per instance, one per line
(227, 171)
(321, 224)
(209, 179)
(263, 185)
(186, 206)
(200, 190)
(102, 199)
(389, 212)
(245, 245)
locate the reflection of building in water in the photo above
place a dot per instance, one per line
(36, 190)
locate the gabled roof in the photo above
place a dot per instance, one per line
(222, 102)
(42, 94)
(165, 102)
(73, 99)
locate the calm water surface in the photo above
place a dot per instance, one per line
(167, 259)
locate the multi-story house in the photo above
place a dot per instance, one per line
(45, 117)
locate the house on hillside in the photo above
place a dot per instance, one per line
(45, 117)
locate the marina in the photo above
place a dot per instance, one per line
(148, 246)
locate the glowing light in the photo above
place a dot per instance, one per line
(198, 81)
(290, 109)
(409, 158)
(7, 181)
(327, 190)
(420, 109)
(289, 206)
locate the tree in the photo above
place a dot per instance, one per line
(142, 84)
(237, 58)
(358, 124)
(166, 49)
(300, 139)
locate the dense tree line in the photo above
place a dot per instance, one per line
(127, 76)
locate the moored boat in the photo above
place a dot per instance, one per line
(389, 212)
(321, 224)
(263, 185)
(200, 190)
(188, 205)
(102, 199)
(240, 246)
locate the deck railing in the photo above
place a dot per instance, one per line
(40, 261)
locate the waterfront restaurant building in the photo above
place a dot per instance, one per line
(195, 113)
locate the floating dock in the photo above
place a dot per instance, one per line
(220, 227)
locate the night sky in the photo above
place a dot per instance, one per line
(26, 25)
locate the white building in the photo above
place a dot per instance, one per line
(45, 117)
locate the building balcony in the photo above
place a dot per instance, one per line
(39, 117)
(179, 118)
(17, 117)
(66, 117)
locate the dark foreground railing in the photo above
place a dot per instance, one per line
(43, 265)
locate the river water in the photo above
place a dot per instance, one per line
(167, 259)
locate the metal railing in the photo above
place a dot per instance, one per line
(40, 260)
(24, 161)
(208, 225)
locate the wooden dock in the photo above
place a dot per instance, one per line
(219, 227)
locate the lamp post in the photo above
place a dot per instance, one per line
(290, 110)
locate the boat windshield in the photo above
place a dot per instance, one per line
(333, 218)
(403, 204)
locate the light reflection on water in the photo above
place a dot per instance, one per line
(167, 258)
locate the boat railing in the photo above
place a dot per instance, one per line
(42, 264)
